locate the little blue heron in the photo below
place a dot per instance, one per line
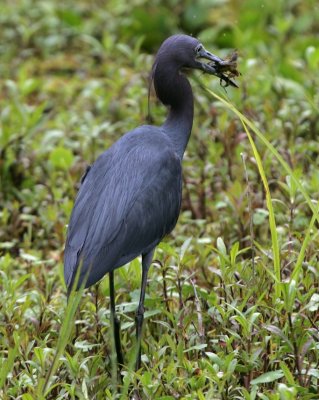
(130, 198)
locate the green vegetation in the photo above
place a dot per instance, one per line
(232, 301)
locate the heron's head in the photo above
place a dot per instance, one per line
(185, 52)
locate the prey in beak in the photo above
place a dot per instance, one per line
(223, 69)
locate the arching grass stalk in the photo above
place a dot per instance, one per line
(251, 215)
(315, 209)
(272, 219)
(271, 148)
(43, 388)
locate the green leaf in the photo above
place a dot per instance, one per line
(312, 57)
(7, 365)
(287, 393)
(234, 253)
(313, 304)
(27, 396)
(184, 248)
(214, 358)
(268, 377)
(288, 375)
(200, 395)
(221, 246)
(260, 215)
(61, 158)
(196, 347)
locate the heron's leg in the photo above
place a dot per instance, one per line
(115, 321)
(146, 262)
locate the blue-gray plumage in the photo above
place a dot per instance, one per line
(128, 201)
(131, 196)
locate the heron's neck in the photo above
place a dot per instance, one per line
(175, 91)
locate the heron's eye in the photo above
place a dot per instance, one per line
(198, 49)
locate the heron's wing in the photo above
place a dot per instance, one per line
(129, 199)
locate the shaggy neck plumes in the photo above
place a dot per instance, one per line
(173, 90)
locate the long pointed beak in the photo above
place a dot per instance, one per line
(203, 53)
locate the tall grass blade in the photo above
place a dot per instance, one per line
(272, 223)
(270, 147)
(272, 220)
(74, 299)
